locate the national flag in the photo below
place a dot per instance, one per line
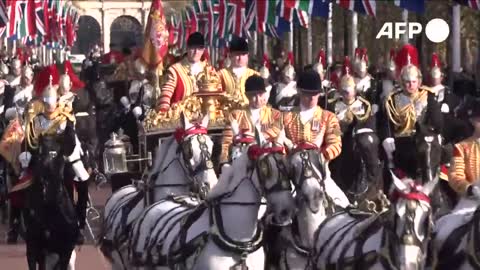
(220, 11)
(3, 14)
(14, 15)
(271, 31)
(473, 4)
(266, 14)
(39, 17)
(365, 7)
(156, 36)
(315, 8)
(287, 8)
(239, 16)
(191, 21)
(250, 14)
(417, 6)
(300, 17)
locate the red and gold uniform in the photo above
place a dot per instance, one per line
(465, 165)
(234, 85)
(270, 122)
(322, 129)
(180, 83)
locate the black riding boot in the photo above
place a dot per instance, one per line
(81, 208)
(14, 225)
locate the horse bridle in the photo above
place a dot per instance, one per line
(308, 171)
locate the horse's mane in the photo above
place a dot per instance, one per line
(163, 151)
(230, 177)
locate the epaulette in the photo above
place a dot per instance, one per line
(428, 89)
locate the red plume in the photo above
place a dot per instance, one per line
(364, 55)
(321, 57)
(408, 54)
(435, 61)
(76, 82)
(357, 54)
(392, 54)
(290, 58)
(266, 61)
(43, 78)
(347, 67)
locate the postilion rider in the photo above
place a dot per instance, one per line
(258, 114)
(464, 172)
(308, 127)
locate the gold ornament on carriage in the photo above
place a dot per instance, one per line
(209, 99)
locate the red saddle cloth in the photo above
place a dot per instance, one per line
(16, 194)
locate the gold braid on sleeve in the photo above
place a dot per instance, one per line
(404, 120)
(367, 113)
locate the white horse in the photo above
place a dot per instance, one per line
(456, 244)
(314, 205)
(182, 165)
(224, 232)
(393, 239)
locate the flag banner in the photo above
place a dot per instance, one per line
(473, 4)
(156, 36)
(365, 7)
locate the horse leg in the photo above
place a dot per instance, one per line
(32, 256)
(73, 258)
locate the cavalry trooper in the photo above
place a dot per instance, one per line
(22, 93)
(286, 95)
(258, 115)
(233, 78)
(125, 70)
(464, 173)
(48, 120)
(328, 88)
(405, 110)
(13, 78)
(388, 81)
(359, 143)
(364, 82)
(181, 79)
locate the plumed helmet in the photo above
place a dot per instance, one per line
(265, 69)
(347, 80)
(49, 75)
(65, 81)
(289, 70)
(391, 61)
(435, 67)
(361, 60)
(51, 90)
(227, 62)
(3, 69)
(140, 67)
(406, 61)
(27, 72)
(319, 66)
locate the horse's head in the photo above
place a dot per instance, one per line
(308, 174)
(241, 141)
(428, 152)
(195, 150)
(413, 220)
(270, 172)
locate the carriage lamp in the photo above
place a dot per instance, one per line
(115, 156)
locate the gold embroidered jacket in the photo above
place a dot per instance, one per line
(270, 123)
(465, 165)
(323, 130)
(234, 86)
(179, 84)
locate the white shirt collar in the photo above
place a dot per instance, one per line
(195, 68)
(255, 115)
(306, 114)
(238, 71)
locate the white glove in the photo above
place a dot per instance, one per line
(389, 145)
(125, 102)
(374, 108)
(445, 108)
(137, 111)
(24, 159)
(475, 192)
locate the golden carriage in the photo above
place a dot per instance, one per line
(208, 99)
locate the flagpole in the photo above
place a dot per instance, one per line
(309, 40)
(329, 34)
(354, 39)
(290, 40)
(265, 44)
(455, 40)
(405, 19)
(255, 44)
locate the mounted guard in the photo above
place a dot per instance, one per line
(357, 168)
(258, 115)
(411, 118)
(365, 83)
(15, 75)
(286, 94)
